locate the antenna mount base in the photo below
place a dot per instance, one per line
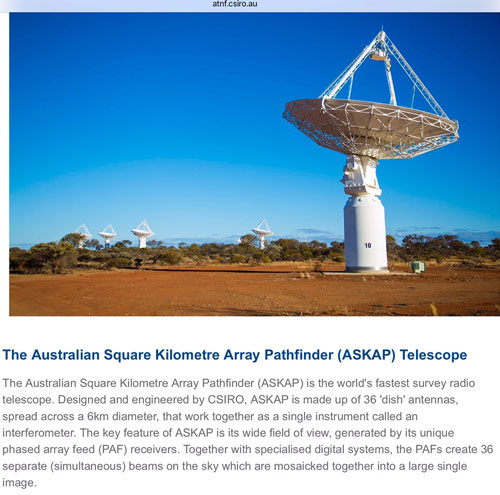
(360, 176)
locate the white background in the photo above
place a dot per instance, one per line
(475, 419)
(476, 422)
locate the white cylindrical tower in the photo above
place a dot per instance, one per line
(364, 217)
(364, 234)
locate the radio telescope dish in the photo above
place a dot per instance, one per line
(143, 231)
(262, 230)
(108, 233)
(377, 130)
(367, 132)
(84, 233)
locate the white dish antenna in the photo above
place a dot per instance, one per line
(143, 231)
(262, 230)
(366, 132)
(108, 233)
(84, 233)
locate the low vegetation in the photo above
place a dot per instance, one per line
(65, 256)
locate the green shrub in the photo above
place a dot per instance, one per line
(337, 257)
(51, 257)
(118, 263)
(172, 256)
(17, 257)
(238, 258)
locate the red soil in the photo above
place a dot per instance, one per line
(268, 290)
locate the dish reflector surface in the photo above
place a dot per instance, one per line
(371, 129)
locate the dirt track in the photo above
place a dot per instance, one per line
(275, 291)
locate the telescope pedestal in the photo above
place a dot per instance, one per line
(142, 242)
(364, 218)
(364, 234)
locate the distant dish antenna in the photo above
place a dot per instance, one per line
(84, 233)
(108, 233)
(143, 231)
(262, 230)
(367, 132)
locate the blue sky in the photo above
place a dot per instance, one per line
(177, 119)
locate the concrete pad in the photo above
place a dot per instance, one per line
(377, 272)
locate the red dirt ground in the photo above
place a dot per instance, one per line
(278, 290)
